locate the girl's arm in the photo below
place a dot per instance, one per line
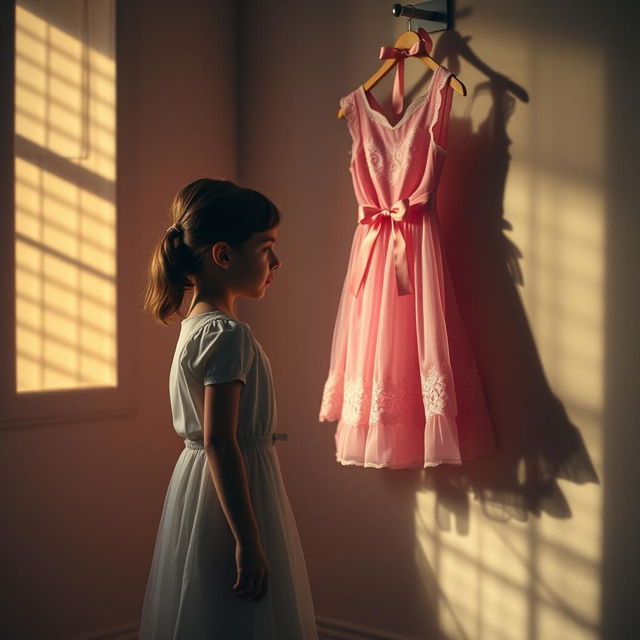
(226, 464)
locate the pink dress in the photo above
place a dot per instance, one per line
(403, 382)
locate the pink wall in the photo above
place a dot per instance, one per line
(81, 501)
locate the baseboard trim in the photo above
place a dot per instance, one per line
(328, 629)
(125, 631)
(332, 629)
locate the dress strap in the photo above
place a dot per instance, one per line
(439, 127)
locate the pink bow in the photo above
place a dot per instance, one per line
(375, 217)
(421, 47)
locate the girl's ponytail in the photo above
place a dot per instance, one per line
(168, 280)
(204, 212)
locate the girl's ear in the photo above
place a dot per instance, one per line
(220, 255)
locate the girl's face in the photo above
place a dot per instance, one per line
(255, 265)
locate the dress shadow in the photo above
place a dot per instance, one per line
(537, 442)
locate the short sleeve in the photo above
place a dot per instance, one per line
(222, 351)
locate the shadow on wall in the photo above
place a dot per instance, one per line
(537, 442)
(508, 570)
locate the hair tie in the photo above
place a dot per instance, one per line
(175, 228)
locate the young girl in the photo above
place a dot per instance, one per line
(228, 563)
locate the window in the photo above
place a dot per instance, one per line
(65, 330)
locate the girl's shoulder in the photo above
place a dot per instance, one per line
(216, 318)
(207, 326)
(218, 344)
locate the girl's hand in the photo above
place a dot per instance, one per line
(253, 571)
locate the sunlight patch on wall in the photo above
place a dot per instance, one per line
(65, 212)
(511, 581)
(563, 244)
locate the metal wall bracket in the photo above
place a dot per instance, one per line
(432, 15)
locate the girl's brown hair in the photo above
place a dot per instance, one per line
(203, 212)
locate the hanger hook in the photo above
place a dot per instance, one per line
(413, 9)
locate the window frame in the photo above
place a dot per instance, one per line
(65, 405)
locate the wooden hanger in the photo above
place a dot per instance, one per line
(406, 41)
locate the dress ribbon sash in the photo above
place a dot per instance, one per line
(375, 217)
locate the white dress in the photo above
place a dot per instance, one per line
(188, 595)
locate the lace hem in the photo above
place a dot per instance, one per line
(421, 465)
(385, 402)
(434, 393)
(331, 406)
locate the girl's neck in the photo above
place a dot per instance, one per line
(202, 302)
